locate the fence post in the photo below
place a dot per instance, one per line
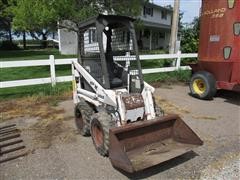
(52, 70)
(178, 63)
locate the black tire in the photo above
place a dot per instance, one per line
(83, 113)
(100, 124)
(158, 111)
(203, 85)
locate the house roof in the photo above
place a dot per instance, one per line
(156, 25)
(159, 7)
(89, 22)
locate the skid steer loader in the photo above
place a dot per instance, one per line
(115, 106)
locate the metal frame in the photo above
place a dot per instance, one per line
(100, 22)
(102, 95)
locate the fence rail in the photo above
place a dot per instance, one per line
(52, 62)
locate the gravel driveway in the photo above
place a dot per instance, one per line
(216, 122)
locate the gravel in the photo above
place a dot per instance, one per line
(218, 158)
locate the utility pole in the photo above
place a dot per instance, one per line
(174, 28)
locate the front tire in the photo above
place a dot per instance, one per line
(100, 124)
(83, 112)
(203, 85)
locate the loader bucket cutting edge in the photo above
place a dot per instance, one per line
(141, 145)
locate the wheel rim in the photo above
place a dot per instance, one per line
(199, 86)
(97, 134)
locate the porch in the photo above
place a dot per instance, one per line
(150, 38)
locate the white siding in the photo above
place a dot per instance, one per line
(157, 17)
(67, 41)
(157, 41)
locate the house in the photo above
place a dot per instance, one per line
(154, 34)
(157, 27)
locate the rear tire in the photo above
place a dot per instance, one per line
(203, 85)
(158, 111)
(100, 124)
(83, 112)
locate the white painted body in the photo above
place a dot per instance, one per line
(113, 98)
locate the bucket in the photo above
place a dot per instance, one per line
(144, 144)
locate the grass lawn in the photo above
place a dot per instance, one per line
(31, 54)
(8, 74)
(37, 90)
(169, 77)
(60, 88)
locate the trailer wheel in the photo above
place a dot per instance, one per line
(100, 124)
(203, 85)
(83, 112)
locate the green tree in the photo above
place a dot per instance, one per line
(124, 7)
(34, 16)
(42, 16)
(190, 37)
(5, 21)
(77, 11)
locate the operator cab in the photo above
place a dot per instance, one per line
(104, 41)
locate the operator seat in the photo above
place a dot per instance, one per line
(114, 72)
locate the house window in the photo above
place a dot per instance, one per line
(161, 35)
(92, 36)
(147, 11)
(227, 52)
(236, 28)
(231, 4)
(164, 14)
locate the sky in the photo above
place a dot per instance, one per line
(190, 8)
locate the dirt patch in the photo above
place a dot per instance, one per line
(47, 131)
(166, 85)
(205, 117)
(170, 108)
(42, 106)
(51, 124)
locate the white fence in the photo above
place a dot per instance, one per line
(53, 62)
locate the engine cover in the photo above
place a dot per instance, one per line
(134, 107)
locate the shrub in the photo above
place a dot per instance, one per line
(7, 45)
